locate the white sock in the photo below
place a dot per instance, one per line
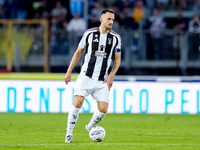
(96, 118)
(72, 119)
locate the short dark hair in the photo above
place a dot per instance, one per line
(107, 10)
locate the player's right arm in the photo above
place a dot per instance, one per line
(76, 57)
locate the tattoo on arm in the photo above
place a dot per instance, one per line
(114, 66)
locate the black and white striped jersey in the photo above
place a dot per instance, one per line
(99, 52)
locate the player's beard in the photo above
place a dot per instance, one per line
(109, 27)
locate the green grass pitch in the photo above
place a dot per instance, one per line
(36, 76)
(46, 131)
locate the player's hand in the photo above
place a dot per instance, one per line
(67, 77)
(109, 81)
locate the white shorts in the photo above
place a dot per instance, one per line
(87, 86)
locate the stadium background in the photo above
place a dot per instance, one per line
(41, 36)
(160, 47)
(155, 89)
(38, 39)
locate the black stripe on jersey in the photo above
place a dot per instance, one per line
(113, 54)
(92, 61)
(86, 47)
(108, 48)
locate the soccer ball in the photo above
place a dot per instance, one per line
(97, 134)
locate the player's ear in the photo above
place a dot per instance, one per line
(101, 18)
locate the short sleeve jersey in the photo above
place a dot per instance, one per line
(99, 52)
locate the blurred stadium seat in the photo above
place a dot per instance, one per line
(49, 48)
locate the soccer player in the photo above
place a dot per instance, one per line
(102, 48)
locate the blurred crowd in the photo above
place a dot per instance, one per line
(70, 15)
(64, 14)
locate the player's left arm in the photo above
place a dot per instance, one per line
(115, 67)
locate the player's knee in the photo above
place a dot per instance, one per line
(78, 101)
(77, 104)
(103, 109)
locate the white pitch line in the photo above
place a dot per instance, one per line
(120, 144)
